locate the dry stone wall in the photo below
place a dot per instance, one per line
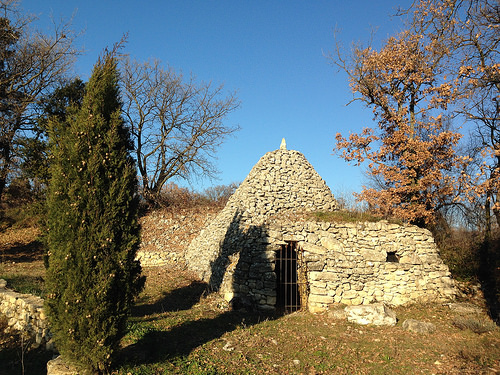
(348, 263)
(281, 181)
(166, 233)
(24, 313)
(363, 263)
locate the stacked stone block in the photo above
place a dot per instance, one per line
(348, 263)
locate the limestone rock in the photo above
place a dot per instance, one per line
(337, 314)
(465, 308)
(58, 366)
(283, 144)
(377, 314)
(373, 255)
(3, 283)
(417, 326)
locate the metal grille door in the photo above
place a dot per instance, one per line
(287, 276)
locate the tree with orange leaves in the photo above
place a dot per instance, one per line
(413, 149)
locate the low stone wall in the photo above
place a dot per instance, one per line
(24, 313)
(347, 263)
(159, 258)
(363, 263)
(166, 234)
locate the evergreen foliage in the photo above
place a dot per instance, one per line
(93, 231)
(33, 150)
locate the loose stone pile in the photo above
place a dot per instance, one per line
(345, 263)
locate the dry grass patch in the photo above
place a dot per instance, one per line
(190, 332)
(476, 324)
(21, 260)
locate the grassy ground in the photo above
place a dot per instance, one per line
(21, 260)
(177, 328)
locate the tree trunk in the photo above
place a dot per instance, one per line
(487, 217)
(3, 182)
(496, 211)
(151, 196)
(5, 166)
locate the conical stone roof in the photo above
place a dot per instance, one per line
(281, 181)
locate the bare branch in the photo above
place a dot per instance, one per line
(177, 124)
(31, 65)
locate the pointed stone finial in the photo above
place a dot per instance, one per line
(283, 144)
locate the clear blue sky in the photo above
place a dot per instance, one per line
(271, 52)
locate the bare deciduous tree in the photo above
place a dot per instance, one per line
(477, 44)
(177, 124)
(32, 64)
(221, 193)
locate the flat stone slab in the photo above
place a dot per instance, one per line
(58, 366)
(377, 314)
(465, 308)
(338, 314)
(418, 326)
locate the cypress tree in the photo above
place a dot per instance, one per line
(93, 231)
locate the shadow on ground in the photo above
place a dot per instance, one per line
(160, 345)
(22, 253)
(182, 340)
(177, 300)
(489, 276)
(246, 242)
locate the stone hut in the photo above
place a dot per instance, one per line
(259, 252)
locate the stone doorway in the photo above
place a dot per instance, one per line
(290, 280)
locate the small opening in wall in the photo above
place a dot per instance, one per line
(288, 278)
(392, 257)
